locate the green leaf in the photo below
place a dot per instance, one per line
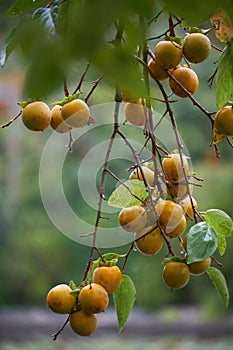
(124, 298)
(12, 40)
(202, 242)
(224, 78)
(8, 46)
(21, 6)
(222, 225)
(48, 16)
(122, 198)
(201, 10)
(220, 284)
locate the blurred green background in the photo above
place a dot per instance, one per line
(34, 255)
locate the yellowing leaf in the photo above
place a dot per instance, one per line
(217, 137)
(124, 197)
(222, 26)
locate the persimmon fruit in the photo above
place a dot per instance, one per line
(199, 267)
(174, 169)
(133, 218)
(158, 72)
(187, 78)
(148, 174)
(224, 121)
(135, 113)
(187, 206)
(168, 53)
(176, 274)
(57, 123)
(93, 298)
(149, 241)
(82, 323)
(36, 116)
(196, 47)
(60, 300)
(108, 277)
(170, 217)
(75, 113)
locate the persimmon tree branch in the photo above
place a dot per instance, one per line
(11, 121)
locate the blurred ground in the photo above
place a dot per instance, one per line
(33, 324)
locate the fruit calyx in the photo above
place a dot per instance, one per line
(175, 39)
(66, 99)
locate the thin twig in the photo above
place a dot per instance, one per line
(78, 88)
(55, 335)
(11, 121)
(94, 85)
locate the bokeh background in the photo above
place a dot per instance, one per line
(34, 255)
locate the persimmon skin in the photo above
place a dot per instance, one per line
(75, 113)
(172, 167)
(196, 47)
(187, 207)
(93, 298)
(199, 267)
(224, 121)
(168, 54)
(36, 116)
(137, 174)
(149, 241)
(108, 277)
(60, 300)
(187, 78)
(158, 72)
(57, 123)
(178, 229)
(176, 274)
(179, 190)
(82, 323)
(133, 219)
(134, 113)
(171, 218)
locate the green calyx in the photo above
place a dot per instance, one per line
(66, 100)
